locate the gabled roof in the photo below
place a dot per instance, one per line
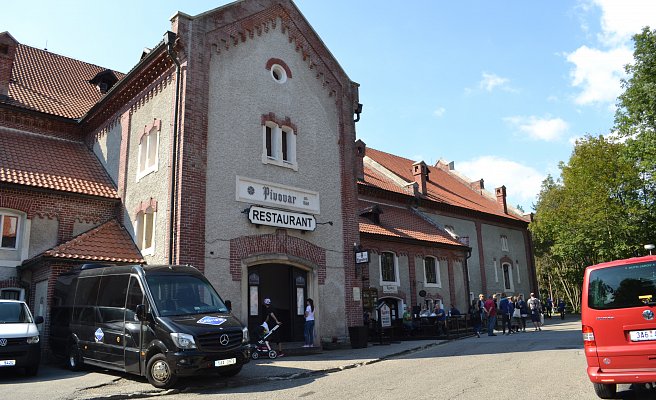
(403, 223)
(52, 163)
(53, 84)
(109, 242)
(394, 173)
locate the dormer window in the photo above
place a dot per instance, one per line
(372, 214)
(104, 80)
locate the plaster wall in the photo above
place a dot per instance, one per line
(107, 148)
(241, 90)
(159, 106)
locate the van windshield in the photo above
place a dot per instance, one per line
(184, 295)
(622, 286)
(14, 313)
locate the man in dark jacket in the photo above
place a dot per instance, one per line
(506, 313)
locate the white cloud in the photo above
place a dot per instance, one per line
(439, 112)
(522, 182)
(547, 129)
(491, 81)
(622, 19)
(597, 73)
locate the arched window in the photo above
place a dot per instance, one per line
(145, 231)
(149, 149)
(507, 276)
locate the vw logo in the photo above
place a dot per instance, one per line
(224, 339)
(648, 315)
(3, 342)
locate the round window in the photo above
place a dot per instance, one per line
(278, 73)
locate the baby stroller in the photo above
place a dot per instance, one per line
(262, 347)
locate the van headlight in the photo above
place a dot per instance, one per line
(33, 339)
(244, 335)
(183, 340)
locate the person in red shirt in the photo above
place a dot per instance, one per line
(491, 311)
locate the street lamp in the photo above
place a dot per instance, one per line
(649, 247)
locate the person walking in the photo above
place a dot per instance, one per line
(515, 318)
(491, 312)
(475, 316)
(561, 308)
(309, 323)
(534, 308)
(269, 318)
(506, 313)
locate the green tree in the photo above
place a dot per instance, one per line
(635, 121)
(586, 217)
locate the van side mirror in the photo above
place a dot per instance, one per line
(141, 312)
(38, 320)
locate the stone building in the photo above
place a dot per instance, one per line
(229, 146)
(436, 238)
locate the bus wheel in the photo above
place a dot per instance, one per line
(159, 372)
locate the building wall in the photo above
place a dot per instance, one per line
(241, 91)
(154, 106)
(515, 256)
(107, 146)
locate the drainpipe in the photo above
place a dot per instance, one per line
(169, 41)
(469, 253)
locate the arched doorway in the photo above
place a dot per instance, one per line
(286, 286)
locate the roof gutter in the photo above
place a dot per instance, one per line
(169, 42)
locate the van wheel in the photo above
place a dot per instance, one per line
(159, 372)
(74, 359)
(605, 390)
(230, 372)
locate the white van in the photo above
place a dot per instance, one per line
(19, 337)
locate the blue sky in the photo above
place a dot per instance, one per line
(501, 88)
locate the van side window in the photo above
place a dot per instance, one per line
(135, 297)
(111, 297)
(87, 290)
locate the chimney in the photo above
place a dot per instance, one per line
(501, 198)
(477, 185)
(420, 172)
(8, 47)
(360, 151)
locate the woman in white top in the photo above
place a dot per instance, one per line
(309, 323)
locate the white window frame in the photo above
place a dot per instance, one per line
(140, 231)
(3, 216)
(504, 243)
(396, 281)
(438, 278)
(276, 157)
(148, 162)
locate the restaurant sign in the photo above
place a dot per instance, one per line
(264, 193)
(281, 219)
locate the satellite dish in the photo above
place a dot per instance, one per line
(422, 293)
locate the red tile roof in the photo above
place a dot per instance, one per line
(443, 186)
(406, 224)
(51, 163)
(109, 242)
(53, 84)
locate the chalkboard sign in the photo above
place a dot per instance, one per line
(385, 316)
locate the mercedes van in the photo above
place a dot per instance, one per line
(162, 322)
(20, 345)
(619, 329)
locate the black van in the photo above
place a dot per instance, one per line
(161, 322)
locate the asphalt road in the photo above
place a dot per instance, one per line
(532, 365)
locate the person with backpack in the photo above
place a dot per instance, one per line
(534, 308)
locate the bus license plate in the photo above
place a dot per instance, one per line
(639, 336)
(222, 363)
(7, 363)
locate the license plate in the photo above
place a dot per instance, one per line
(7, 363)
(222, 363)
(639, 336)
